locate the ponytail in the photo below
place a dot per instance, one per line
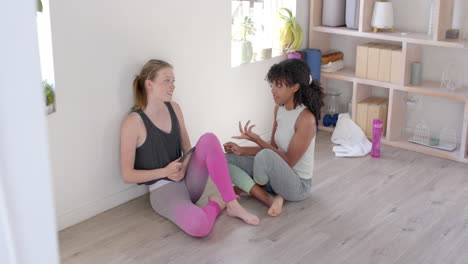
(139, 94)
(311, 96)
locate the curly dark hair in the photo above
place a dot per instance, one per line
(292, 71)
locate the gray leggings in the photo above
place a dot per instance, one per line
(267, 167)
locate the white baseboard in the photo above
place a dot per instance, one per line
(94, 208)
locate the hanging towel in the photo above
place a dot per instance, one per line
(352, 140)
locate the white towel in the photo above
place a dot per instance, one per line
(350, 136)
(333, 66)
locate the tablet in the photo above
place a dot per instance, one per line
(187, 154)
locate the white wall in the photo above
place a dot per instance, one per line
(27, 222)
(99, 46)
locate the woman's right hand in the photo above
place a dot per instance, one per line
(231, 147)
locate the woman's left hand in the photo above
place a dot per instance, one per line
(246, 133)
(178, 176)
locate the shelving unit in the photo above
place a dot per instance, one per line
(412, 44)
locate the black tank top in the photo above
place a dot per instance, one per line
(159, 148)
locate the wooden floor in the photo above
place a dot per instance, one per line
(402, 208)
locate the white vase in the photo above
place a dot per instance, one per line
(246, 51)
(241, 52)
(49, 109)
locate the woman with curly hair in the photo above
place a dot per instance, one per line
(284, 166)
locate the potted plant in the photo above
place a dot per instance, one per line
(49, 95)
(291, 32)
(240, 35)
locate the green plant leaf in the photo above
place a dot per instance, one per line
(48, 93)
(291, 35)
(39, 6)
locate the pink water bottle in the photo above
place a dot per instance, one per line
(376, 135)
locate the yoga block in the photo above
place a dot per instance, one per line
(361, 113)
(370, 109)
(373, 60)
(361, 59)
(377, 109)
(385, 63)
(396, 68)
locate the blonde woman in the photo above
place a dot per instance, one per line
(153, 138)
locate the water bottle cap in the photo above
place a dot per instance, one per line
(378, 123)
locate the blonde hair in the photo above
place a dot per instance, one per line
(148, 72)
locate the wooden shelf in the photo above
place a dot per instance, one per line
(347, 74)
(320, 37)
(414, 38)
(431, 88)
(404, 144)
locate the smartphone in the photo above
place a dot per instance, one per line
(187, 154)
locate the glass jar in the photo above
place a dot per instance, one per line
(333, 99)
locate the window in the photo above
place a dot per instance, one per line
(45, 54)
(255, 29)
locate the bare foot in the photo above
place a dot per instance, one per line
(277, 206)
(218, 200)
(234, 209)
(240, 192)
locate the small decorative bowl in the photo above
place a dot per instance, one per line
(433, 141)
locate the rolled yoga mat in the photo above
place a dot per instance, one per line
(314, 60)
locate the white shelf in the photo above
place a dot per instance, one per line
(320, 38)
(431, 88)
(414, 38)
(404, 144)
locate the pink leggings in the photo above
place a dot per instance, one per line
(175, 200)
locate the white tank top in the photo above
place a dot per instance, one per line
(286, 120)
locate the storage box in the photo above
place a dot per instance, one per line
(396, 67)
(370, 109)
(333, 13)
